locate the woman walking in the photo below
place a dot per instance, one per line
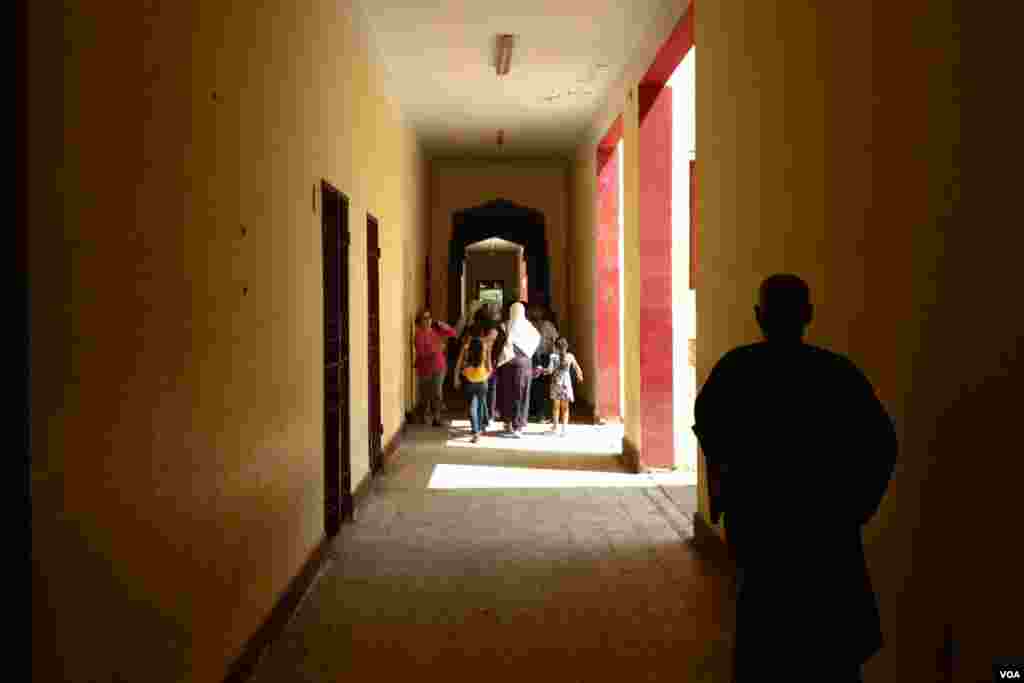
(516, 370)
(431, 365)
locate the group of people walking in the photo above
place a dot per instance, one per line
(510, 370)
(776, 415)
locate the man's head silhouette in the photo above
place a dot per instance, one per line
(784, 307)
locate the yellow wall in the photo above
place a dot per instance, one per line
(536, 184)
(825, 141)
(177, 424)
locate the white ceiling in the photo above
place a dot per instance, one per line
(440, 58)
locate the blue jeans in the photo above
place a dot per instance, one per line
(476, 394)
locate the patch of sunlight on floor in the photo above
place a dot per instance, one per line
(496, 477)
(583, 439)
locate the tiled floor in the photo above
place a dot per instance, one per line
(536, 559)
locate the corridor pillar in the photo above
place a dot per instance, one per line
(655, 305)
(608, 296)
(632, 443)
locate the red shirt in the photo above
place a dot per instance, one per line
(430, 357)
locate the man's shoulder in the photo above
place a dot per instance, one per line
(740, 354)
(834, 359)
(761, 351)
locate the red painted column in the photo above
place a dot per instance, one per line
(655, 147)
(607, 285)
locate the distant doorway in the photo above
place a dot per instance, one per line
(337, 429)
(508, 221)
(375, 428)
(491, 292)
(491, 271)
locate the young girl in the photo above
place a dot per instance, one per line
(560, 366)
(474, 367)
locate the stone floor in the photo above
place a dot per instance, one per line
(532, 559)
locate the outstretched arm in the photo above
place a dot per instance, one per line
(457, 374)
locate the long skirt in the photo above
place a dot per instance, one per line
(492, 396)
(514, 391)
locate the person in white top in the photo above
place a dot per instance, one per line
(516, 370)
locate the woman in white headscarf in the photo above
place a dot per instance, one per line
(516, 369)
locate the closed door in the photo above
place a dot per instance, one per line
(337, 462)
(376, 426)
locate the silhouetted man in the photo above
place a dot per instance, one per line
(799, 453)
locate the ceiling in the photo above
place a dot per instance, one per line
(494, 244)
(440, 60)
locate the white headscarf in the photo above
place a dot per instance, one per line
(521, 331)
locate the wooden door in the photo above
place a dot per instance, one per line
(376, 426)
(337, 458)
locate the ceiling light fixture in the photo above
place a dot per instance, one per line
(506, 41)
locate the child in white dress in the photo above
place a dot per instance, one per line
(561, 366)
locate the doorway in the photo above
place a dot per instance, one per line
(337, 428)
(508, 221)
(376, 425)
(491, 292)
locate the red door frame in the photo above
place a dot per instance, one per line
(655, 259)
(607, 276)
(657, 448)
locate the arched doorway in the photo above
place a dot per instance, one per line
(508, 221)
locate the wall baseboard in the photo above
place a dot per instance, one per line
(361, 493)
(245, 665)
(391, 450)
(389, 456)
(705, 535)
(270, 630)
(630, 455)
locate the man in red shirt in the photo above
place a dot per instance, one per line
(431, 365)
